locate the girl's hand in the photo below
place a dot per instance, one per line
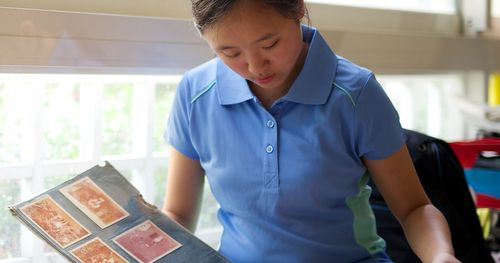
(445, 258)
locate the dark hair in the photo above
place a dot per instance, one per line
(207, 12)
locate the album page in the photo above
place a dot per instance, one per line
(98, 216)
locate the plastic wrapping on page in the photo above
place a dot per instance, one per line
(114, 185)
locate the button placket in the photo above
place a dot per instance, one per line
(271, 177)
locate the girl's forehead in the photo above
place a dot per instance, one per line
(248, 18)
(246, 23)
(242, 32)
(250, 12)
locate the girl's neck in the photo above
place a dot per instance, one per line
(268, 96)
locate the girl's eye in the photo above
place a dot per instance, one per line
(272, 45)
(232, 55)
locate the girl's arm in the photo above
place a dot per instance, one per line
(425, 227)
(184, 189)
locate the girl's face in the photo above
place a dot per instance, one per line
(259, 43)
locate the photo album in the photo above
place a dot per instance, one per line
(98, 216)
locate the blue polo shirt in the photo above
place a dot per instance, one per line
(289, 180)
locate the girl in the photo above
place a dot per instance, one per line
(286, 133)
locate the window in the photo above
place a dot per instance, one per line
(53, 127)
(427, 103)
(430, 6)
(495, 8)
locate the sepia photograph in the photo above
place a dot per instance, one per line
(55, 222)
(94, 202)
(97, 251)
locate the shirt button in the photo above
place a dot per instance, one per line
(270, 123)
(269, 149)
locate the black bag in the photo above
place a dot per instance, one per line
(443, 179)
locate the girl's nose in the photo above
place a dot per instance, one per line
(257, 65)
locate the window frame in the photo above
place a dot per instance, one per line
(33, 169)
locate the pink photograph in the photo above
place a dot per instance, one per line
(97, 251)
(54, 221)
(94, 202)
(146, 242)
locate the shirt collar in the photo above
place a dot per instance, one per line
(314, 82)
(231, 87)
(312, 86)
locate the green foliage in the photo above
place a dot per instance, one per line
(10, 134)
(52, 181)
(164, 97)
(9, 227)
(2, 96)
(64, 143)
(116, 120)
(61, 141)
(61, 122)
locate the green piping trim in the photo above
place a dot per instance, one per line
(205, 90)
(347, 93)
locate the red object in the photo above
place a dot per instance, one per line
(146, 242)
(487, 201)
(467, 151)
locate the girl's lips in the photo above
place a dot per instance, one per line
(265, 80)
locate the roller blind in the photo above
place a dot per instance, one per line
(428, 6)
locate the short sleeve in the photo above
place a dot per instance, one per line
(177, 132)
(378, 130)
